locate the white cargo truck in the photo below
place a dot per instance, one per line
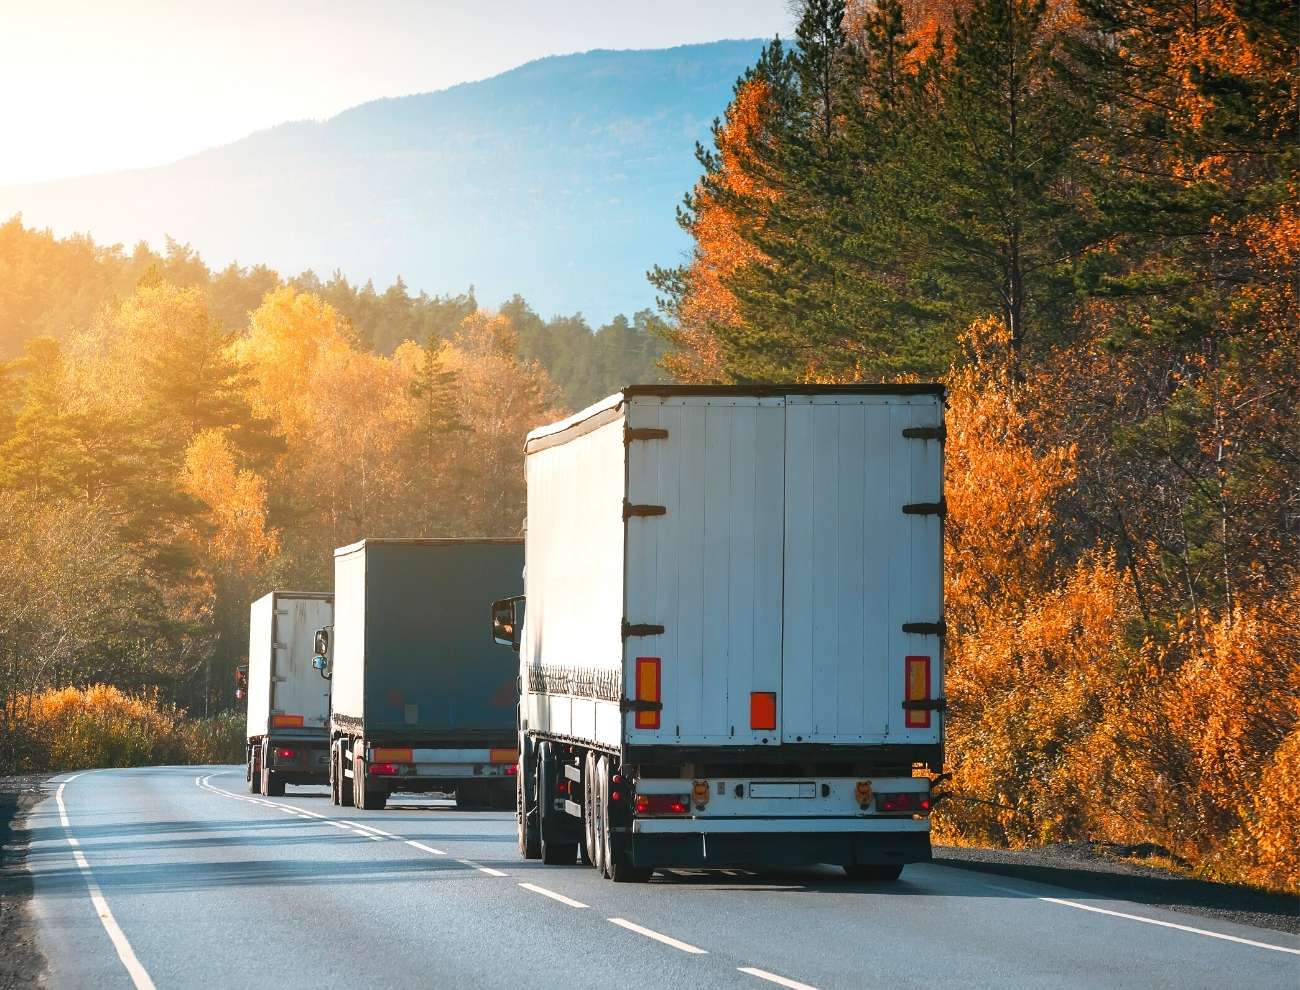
(731, 653)
(288, 699)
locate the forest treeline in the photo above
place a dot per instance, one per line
(1083, 215)
(53, 287)
(174, 442)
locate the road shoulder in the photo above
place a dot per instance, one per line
(1089, 870)
(21, 962)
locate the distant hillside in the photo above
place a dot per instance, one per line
(557, 180)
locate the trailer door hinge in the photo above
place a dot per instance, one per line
(926, 628)
(939, 508)
(631, 433)
(630, 510)
(926, 433)
(926, 705)
(641, 629)
(626, 705)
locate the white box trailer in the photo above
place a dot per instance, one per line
(732, 647)
(288, 699)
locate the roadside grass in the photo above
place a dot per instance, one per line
(102, 726)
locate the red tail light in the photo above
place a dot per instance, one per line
(512, 769)
(563, 786)
(382, 770)
(662, 804)
(285, 753)
(908, 803)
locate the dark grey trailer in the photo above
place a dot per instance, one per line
(423, 699)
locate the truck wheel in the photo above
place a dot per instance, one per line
(272, 786)
(617, 866)
(530, 843)
(367, 798)
(589, 808)
(599, 854)
(253, 772)
(555, 850)
(873, 874)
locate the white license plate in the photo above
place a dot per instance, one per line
(783, 789)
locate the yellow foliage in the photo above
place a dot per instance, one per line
(102, 726)
(236, 500)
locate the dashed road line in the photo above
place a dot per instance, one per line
(659, 937)
(423, 848)
(553, 895)
(1148, 921)
(780, 981)
(139, 976)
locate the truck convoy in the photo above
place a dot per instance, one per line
(731, 653)
(288, 701)
(423, 700)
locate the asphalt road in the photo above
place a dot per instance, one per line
(177, 877)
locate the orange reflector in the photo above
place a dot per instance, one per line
(918, 689)
(286, 721)
(381, 755)
(762, 710)
(503, 755)
(647, 689)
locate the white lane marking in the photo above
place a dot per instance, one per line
(482, 869)
(139, 976)
(1148, 921)
(348, 826)
(423, 848)
(780, 981)
(552, 895)
(659, 936)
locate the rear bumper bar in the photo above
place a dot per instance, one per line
(774, 849)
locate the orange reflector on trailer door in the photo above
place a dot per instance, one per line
(647, 689)
(503, 756)
(762, 710)
(918, 689)
(381, 754)
(286, 721)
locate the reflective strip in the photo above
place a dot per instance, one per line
(286, 721)
(918, 689)
(387, 755)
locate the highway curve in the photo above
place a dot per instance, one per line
(177, 877)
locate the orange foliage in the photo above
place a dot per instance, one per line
(720, 250)
(236, 500)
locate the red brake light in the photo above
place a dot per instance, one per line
(383, 769)
(662, 804)
(907, 803)
(285, 753)
(615, 796)
(512, 769)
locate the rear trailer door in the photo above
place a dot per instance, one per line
(863, 559)
(705, 489)
(300, 697)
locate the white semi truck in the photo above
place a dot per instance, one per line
(288, 699)
(731, 653)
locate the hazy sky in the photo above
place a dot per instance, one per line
(98, 85)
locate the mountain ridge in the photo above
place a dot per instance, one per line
(557, 179)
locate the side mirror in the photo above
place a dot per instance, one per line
(322, 643)
(507, 616)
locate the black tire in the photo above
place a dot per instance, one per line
(874, 873)
(530, 842)
(557, 848)
(599, 853)
(366, 798)
(335, 776)
(589, 809)
(253, 772)
(617, 866)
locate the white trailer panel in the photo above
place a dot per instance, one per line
(770, 542)
(281, 678)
